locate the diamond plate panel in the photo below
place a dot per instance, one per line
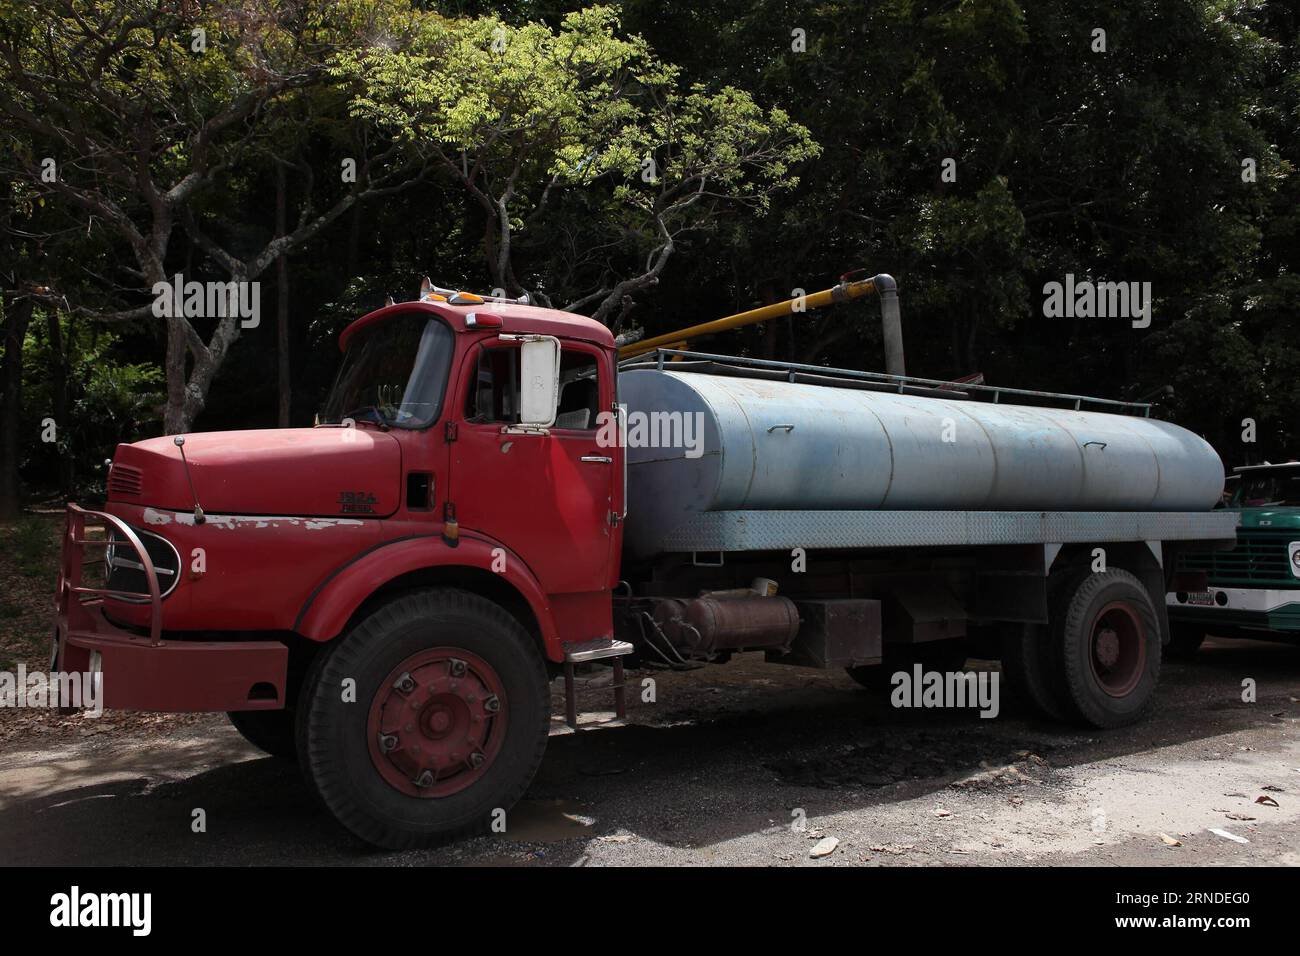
(779, 530)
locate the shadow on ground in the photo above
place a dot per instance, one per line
(714, 759)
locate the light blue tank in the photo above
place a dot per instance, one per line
(769, 446)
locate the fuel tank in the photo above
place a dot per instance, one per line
(699, 442)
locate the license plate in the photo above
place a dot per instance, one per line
(1201, 598)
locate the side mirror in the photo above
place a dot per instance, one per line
(539, 381)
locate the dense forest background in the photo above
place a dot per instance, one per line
(975, 149)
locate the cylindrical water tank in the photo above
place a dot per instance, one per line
(700, 442)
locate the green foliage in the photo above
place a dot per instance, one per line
(111, 400)
(772, 170)
(517, 112)
(33, 542)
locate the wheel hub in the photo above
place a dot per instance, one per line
(1107, 648)
(1118, 649)
(437, 722)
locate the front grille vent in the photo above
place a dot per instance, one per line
(1260, 557)
(125, 572)
(124, 481)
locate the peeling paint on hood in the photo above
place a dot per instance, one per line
(153, 516)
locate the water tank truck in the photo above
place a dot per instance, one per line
(494, 496)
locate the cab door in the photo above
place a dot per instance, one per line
(547, 495)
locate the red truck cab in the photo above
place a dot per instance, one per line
(425, 476)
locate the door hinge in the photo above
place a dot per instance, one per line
(451, 431)
(614, 518)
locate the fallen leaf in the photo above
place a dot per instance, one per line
(1266, 801)
(1167, 840)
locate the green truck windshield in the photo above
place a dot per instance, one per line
(1276, 490)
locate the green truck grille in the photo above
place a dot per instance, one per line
(1260, 558)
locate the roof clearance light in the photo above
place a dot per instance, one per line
(476, 320)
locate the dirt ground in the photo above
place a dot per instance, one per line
(746, 763)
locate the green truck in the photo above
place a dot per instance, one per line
(1252, 590)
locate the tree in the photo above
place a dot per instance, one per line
(145, 118)
(517, 115)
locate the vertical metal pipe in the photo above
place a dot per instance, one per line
(891, 324)
(620, 695)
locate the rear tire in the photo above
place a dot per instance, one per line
(448, 726)
(1106, 637)
(270, 731)
(1029, 669)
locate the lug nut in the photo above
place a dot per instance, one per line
(425, 779)
(405, 683)
(387, 742)
(476, 760)
(458, 668)
(492, 704)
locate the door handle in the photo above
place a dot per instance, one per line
(599, 459)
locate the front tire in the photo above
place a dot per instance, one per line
(446, 725)
(270, 731)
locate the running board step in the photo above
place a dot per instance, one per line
(585, 652)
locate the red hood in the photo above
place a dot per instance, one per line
(285, 471)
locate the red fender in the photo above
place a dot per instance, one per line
(333, 603)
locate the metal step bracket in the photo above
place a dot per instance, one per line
(600, 648)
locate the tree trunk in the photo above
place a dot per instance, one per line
(18, 314)
(175, 419)
(59, 392)
(354, 243)
(282, 303)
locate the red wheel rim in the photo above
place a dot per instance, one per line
(1118, 649)
(437, 722)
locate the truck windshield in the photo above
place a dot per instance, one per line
(394, 373)
(1278, 490)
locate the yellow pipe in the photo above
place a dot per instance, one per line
(816, 300)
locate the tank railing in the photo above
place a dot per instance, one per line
(679, 357)
(75, 540)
